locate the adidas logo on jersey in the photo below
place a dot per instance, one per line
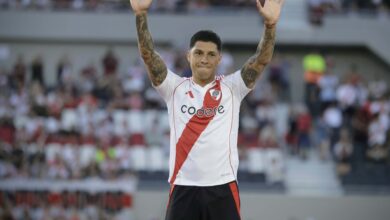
(189, 93)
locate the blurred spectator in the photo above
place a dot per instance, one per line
(136, 102)
(265, 113)
(41, 4)
(343, 152)
(352, 95)
(156, 133)
(57, 169)
(243, 3)
(333, 118)
(181, 64)
(164, 5)
(316, 11)
(346, 94)
(275, 171)
(268, 137)
(377, 88)
(19, 102)
(110, 63)
(377, 131)
(278, 76)
(292, 132)
(249, 137)
(37, 70)
(134, 80)
(119, 100)
(304, 126)
(94, 4)
(88, 78)
(64, 70)
(322, 137)
(6, 213)
(4, 81)
(320, 8)
(62, 4)
(314, 66)
(328, 85)
(198, 6)
(19, 73)
(38, 100)
(360, 124)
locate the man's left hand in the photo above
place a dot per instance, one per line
(270, 10)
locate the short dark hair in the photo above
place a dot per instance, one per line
(206, 36)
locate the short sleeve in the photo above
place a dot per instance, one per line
(166, 88)
(235, 81)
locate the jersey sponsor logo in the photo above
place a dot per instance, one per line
(202, 112)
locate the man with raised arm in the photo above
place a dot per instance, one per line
(203, 115)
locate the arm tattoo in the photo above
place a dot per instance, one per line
(255, 65)
(157, 70)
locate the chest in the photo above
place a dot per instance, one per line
(202, 102)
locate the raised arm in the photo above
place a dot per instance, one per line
(157, 70)
(253, 68)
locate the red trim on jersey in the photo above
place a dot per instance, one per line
(230, 133)
(170, 195)
(236, 196)
(193, 129)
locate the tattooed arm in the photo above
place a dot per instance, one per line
(157, 70)
(255, 65)
(253, 68)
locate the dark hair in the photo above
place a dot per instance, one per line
(206, 36)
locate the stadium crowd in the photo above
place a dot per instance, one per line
(108, 125)
(72, 205)
(317, 9)
(189, 6)
(102, 124)
(93, 124)
(352, 113)
(112, 125)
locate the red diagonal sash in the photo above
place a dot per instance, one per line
(194, 128)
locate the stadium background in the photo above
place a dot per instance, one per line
(80, 139)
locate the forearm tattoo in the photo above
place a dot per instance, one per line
(255, 65)
(157, 69)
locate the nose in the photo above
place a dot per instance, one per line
(203, 60)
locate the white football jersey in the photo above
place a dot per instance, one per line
(204, 128)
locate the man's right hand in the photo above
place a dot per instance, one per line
(140, 6)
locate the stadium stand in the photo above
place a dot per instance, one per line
(102, 124)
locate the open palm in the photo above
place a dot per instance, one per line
(270, 10)
(140, 5)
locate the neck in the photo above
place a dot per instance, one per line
(203, 82)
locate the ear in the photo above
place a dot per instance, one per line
(219, 57)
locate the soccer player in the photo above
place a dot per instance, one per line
(203, 115)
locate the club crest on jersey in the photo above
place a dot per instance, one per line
(215, 94)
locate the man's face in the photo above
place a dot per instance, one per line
(204, 58)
